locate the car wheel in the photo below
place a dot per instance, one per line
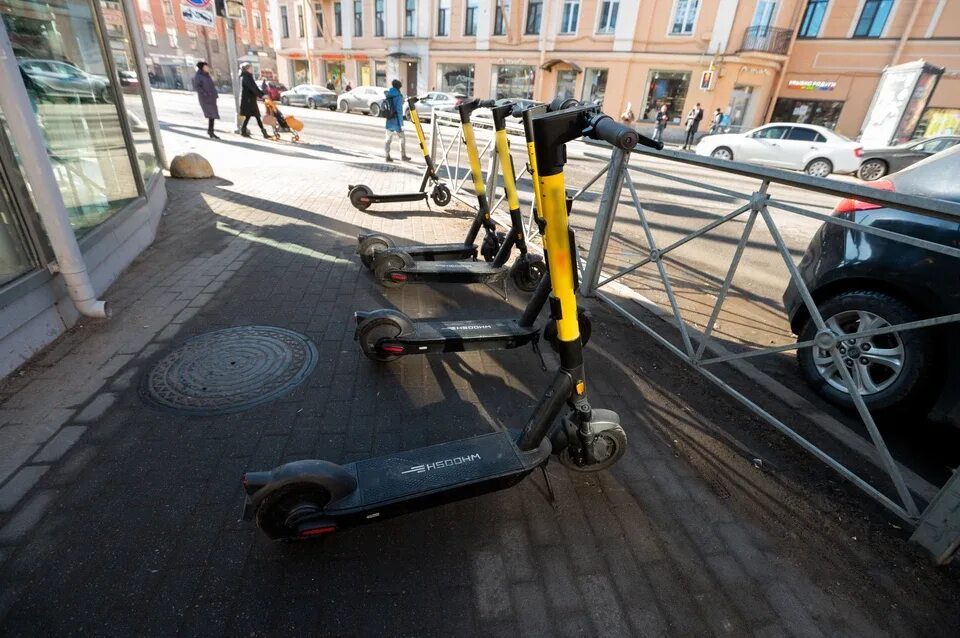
(723, 153)
(105, 96)
(886, 369)
(284, 101)
(819, 168)
(311, 104)
(343, 107)
(332, 107)
(872, 170)
(375, 110)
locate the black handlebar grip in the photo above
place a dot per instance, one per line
(608, 130)
(486, 103)
(649, 141)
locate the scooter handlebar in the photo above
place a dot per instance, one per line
(486, 104)
(619, 135)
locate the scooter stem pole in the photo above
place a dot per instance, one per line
(549, 406)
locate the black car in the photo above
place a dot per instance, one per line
(860, 281)
(877, 162)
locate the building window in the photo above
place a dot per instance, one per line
(284, 22)
(812, 18)
(594, 85)
(455, 78)
(667, 88)
(214, 45)
(300, 29)
(500, 17)
(534, 17)
(337, 19)
(378, 18)
(358, 18)
(684, 16)
(269, 24)
(243, 18)
(172, 38)
(193, 40)
(380, 74)
(443, 17)
(257, 22)
(763, 15)
(608, 16)
(410, 19)
(168, 7)
(513, 80)
(318, 19)
(470, 21)
(873, 18)
(150, 36)
(566, 84)
(570, 18)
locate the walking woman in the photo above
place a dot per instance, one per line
(249, 94)
(207, 95)
(662, 118)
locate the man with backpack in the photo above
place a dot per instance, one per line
(392, 109)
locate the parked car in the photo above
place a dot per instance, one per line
(435, 100)
(877, 162)
(129, 82)
(310, 96)
(365, 99)
(484, 113)
(860, 281)
(274, 90)
(56, 79)
(816, 150)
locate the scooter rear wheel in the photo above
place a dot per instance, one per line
(359, 197)
(384, 266)
(441, 195)
(608, 447)
(280, 513)
(527, 273)
(370, 334)
(369, 247)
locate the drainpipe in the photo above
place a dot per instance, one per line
(906, 32)
(35, 163)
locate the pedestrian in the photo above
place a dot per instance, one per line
(249, 94)
(693, 123)
(627, 118)
(717, 122)
(662, 119)
(331, 86)
(207, 95)
(348, 88)
(394, 123)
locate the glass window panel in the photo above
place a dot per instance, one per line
(455, 78)
(812, 18)
(534, 15)
(594, 85)
(74, 98)
(15, 258)
(666, 88)
(513, 80)
(608, 16)
(566, 84)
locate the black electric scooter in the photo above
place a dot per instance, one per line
(387, 333)
(369, 244)
(310, 498)
(362, 196)
(394, 267)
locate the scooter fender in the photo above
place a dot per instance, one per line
(406, 325)
(408, 261)
(337, 481)
(568, 428)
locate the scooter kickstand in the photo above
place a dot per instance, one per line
(551, 497)
(536, 349)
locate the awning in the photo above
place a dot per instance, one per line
(549, 64)
(404, 56)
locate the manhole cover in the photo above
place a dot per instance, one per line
(230, 370)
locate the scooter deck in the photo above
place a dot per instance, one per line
(460, 336)
(456, 271)
(439, 251)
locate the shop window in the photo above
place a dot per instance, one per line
(380, 74)
(566, 84)
(820, 112)
(378, 18)
(570, 18)
(358, 18)
(608, 16)
(443, 17)
(812, 18)
(594, 85)
(684, 16)
(500, 17)
(455, 78)
(15, 258)
(534, 17)
(338, 19)
(470, 18)
(284, 22)
(937, 121)
(873, 18)
(410, 19)
(513, 80)
(75, 95)
(666, 88)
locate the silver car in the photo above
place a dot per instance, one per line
(435, 100)
(310, 96)
(365, 99)
(55, 79)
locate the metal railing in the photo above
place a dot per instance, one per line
(766, 40)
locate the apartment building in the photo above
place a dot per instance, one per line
(173, 46)
(810, 60)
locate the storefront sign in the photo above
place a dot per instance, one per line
(812, 85)
(197, 12)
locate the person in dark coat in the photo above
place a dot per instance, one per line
(207, 95)
(693, 123)
(249, 94)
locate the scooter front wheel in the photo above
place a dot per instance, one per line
(441, 195)
(360, 197)
(388, 271)
(372, 332)
(608, 447)
(281, 513)
(369, 248)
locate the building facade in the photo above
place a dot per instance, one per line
(812, 60)
(81, 192)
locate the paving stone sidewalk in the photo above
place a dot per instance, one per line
(117, 518)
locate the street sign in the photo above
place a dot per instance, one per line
(199, 12)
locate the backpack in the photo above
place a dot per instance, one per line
(386, 108)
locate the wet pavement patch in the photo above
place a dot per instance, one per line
(230, 370)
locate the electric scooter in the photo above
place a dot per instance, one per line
(395, 267)
(387, 334)
(310, 498)
(362, 197)
(369, 244)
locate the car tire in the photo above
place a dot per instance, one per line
(311, 104)
(872, 170)
(284, 101)
(343, 107)
(375, 110)
(332, 107)
(105, 96)
(819, 167)
(722, 152)
(909, 355)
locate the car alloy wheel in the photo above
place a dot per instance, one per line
(819, 168)
(872, 170)
(284, 101)
(311, 104)
(723, 153)
(374, 109)
(342, 106)
(874, 362)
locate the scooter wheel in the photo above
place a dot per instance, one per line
(280, 513)
(583, 319)
(370, 334)
(369, 247)
(527, 273)
(387, 265)
(359, 197)
(608, 447)
(441, 195)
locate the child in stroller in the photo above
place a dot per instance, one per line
(281, 123)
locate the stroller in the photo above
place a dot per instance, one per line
(281, 123)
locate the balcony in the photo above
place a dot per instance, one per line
(766, 40)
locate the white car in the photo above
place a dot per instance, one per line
(816, 150)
